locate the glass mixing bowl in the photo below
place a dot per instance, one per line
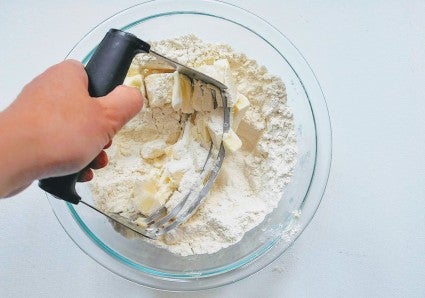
(143, 263)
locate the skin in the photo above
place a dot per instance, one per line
(55, 128)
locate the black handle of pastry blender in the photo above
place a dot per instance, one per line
(106, 69)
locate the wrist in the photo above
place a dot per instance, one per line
(20, 153)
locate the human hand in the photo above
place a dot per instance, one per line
(55, 128)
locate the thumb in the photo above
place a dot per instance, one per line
(121, 104)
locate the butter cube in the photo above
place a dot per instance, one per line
(175, 170)
(220, 71)
(182, 93)
(159, 88)
(176, 99)
(202, 97)
(133, 70)
(239, 109)
(198, 95)
(153, 149)
(251, 128)
(151, 194)
(223, 66)
(200, 130)
(145, 199)
(214, 123)
(231, 141)
(137, 82)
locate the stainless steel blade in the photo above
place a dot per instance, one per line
(121, 220)
(190, 72)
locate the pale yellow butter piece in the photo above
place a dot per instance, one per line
(198, 95)
(145, 199)
(214, 123)
(136, 81)
(159, 88)
(151, 194)
(182, 93)
(208, 103)
(202, 97)
(175, 170)
(239, 109)
(251, 128)
(133, 70)
(223, 66)
(220, 71)
(200, 130)
(231, 141)
(153, 149)
(176, 99)
(186, 89)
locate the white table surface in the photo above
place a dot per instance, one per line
(368, 236)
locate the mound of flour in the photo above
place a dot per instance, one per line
(251, 181)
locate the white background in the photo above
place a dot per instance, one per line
(368, 236)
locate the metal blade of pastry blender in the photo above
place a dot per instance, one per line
(121, 220)
(190, 72)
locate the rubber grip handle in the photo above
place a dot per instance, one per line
(106, 70)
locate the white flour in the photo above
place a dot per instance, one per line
(251, 181)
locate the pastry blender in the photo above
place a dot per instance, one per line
(107, 69)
